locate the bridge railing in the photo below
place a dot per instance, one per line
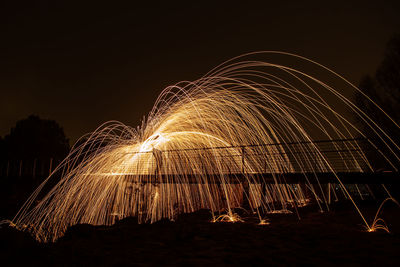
(344, 155)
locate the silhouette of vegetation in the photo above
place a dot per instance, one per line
(36, 138)
(384, 90)
(27, 154)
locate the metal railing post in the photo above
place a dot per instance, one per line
(8, 167)
(50, 165)
(34, 168)
(243, 155)
(20, 168)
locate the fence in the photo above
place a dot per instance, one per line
(28, 167)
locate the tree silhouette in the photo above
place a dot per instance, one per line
(36, 138)
(33, 142)
(384, 90)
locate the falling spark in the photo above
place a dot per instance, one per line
(264, 222)
(233, 217)
(379, 223)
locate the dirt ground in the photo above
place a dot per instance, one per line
(330, 238)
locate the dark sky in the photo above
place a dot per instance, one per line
(84, 64)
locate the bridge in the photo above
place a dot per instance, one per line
(288, 163)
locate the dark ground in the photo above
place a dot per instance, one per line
(331, 238)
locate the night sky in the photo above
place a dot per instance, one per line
(84, 64)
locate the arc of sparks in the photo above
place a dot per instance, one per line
(194, 138)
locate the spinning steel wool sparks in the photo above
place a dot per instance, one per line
(208, 144)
